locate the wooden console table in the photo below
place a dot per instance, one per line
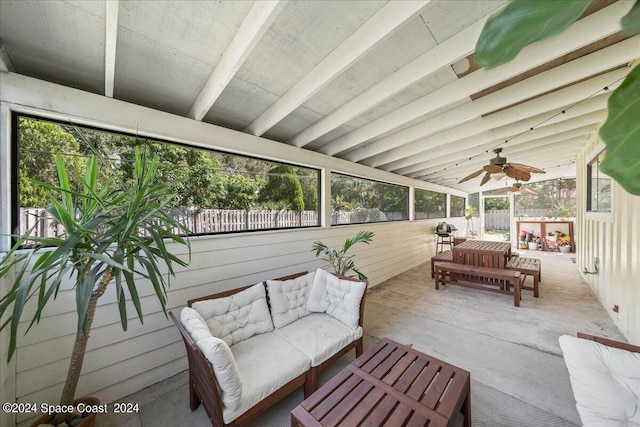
(390, 384)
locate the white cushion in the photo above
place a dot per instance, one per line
(605, 382)
(337, 297)
(317, 301)
(218, 355)
(266, 362)
(319, 336)
(237, 317)
(343, 300)
(289, 299)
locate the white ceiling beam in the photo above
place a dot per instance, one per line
(525, 116)
(251, 30)
(487, 149)
(110, 42)
(407, 141)
(5, 60)
(560, 153)
(453, 49)
(583, 32)
(590, 114)
(380, 25)
(487, 141)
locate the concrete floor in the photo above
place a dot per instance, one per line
(518, 374)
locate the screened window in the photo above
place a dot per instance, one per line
(598, 186)
(456, 208)
(216, 192)
(430, 204)
(358, 200)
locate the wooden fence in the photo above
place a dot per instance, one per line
(197, 221)
(207, 221)
(499, 219)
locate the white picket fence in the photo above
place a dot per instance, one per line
(197, 221)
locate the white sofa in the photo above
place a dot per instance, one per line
(249, 347)
(605, 378)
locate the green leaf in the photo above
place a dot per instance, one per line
(621, 134)
(631, 21)
(521, 23)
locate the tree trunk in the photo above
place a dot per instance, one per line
(80, 345)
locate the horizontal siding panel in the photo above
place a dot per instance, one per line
(105, 356)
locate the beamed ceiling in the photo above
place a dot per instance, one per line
(393, 85)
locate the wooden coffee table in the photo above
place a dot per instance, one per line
(391, 384)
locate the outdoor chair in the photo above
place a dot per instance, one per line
(444, 237)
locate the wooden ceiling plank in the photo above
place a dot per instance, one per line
(380, 25)
(251, 30)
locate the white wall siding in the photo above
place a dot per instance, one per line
(119, 363)
(616, 244)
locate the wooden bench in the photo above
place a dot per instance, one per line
(527, 267)
(446, 256)
(484, 278)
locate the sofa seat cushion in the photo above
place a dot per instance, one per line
(237, 317)
(288, 299)
(319, 336)
(266, 362)
(605, 382)
(218, 354)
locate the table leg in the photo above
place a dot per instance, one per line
(466, 408)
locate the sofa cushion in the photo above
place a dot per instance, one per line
(266, 362)
(337, 297)
(289, 299)
(237, 317)
(319, 336)
(317, 301)
(218, 354)
(605, 382)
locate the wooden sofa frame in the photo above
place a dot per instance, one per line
(610, 343)
(203, 387)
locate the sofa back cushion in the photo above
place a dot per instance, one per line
(288, 299)
(337, 297)
(605, 382)
(237, 317)
(218, 354)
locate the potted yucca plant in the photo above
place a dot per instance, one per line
(113, 235)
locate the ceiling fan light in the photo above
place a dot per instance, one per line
(498, 175)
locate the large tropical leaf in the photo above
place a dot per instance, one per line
(521, 23)
(621, 134)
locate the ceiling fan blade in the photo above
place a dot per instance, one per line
(517, 174)
(485, 178)
(492, 168)
(473, 175)
(526, 190)
(527, 168)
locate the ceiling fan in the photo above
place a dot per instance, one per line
(499, 165)
(516, 188)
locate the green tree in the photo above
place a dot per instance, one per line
(496, 203)
(239, 192)
(38, 143)
(283, 188)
